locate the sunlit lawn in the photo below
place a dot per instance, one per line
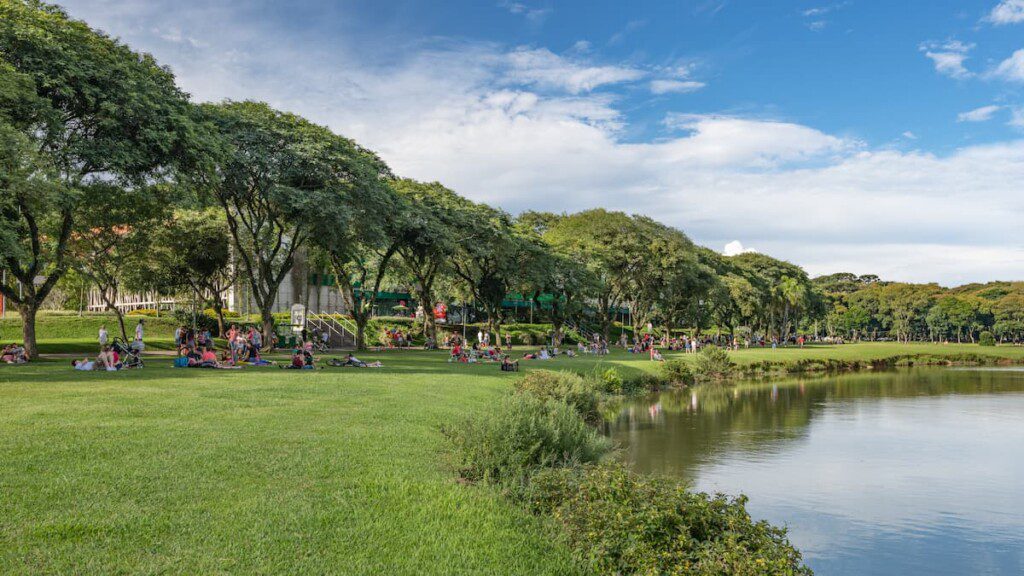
(273, 471)
(251, 471)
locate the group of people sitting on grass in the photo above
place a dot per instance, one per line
(13, 354)
(475, 352)
(395, 338)
(599, 346)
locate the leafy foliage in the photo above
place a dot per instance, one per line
(712, 363)
(619, 522)
(521, 436)
(677, 371)
(77, 109)
(580, 393)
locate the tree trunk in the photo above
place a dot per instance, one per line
(110, 302)
(28, 329)
(120, 322)
(218, 307)
(429, 323)
(557, 326)
(361, 321)
(268, 327)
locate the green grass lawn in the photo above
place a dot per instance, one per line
(273, 471)
(252, 471)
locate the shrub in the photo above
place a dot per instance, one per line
(986, 339)
(569, 387)
(149, 312)
(712, 363)
(620, 522)
(519, 437)
(677, 371)
(609, 380)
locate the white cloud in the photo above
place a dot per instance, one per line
(500, 126)
(1012, 68)
(816, 20)
(546, 69)
(581, 46)
(675, 86)
(736, 247)
(909, 135)
(949, 57)
(1017, 117)
(717, 140)
(982, 114)
(1007, 12)
(536, 15)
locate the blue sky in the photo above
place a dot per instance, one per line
(866, 136)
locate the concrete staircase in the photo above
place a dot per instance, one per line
(341, 330)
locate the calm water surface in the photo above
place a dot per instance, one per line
(906, 472)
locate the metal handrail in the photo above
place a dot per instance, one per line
(339, 325)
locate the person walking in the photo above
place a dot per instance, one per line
(103, 336)
(138, 344)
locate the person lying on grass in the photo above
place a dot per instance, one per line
(13, 354)
(104, 361)
(543, 354)
(351, 360)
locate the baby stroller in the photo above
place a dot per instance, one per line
(130, 356)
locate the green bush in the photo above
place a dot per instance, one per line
(677, 371)
(609, 379)
(567, 387)
(712, 363)
(986, 339)
(521, 436)
(620, 522)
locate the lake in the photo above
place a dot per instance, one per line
(917, 471)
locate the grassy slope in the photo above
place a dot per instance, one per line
(268, 471)
(63, 332)
(201, 472)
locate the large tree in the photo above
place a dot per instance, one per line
(190, 254)
(281, 180)
(495, 258)
(361, 252)
(432, 232)
(612, 248)
(667, 273)
(784, 289)
(115, 237)
(76, 108)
